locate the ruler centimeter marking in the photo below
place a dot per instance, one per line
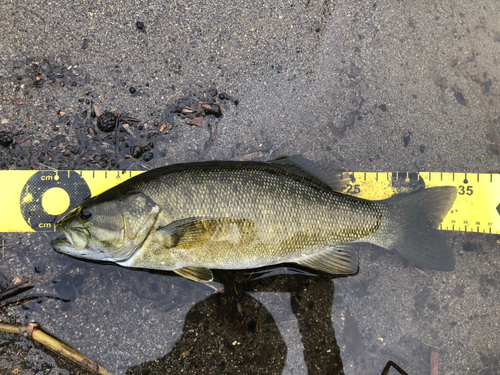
(33, 201)
(476, 209)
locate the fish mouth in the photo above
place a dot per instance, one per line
(62, 245)
(77, 239)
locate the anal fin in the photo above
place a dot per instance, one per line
(201, 274)
(336, 259)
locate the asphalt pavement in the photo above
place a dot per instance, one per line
(355, 85)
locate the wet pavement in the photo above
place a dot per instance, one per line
(364, 86)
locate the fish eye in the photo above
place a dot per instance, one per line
(85, 214)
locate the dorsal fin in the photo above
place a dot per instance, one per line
(300, 166)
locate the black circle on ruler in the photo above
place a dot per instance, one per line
(41, 182)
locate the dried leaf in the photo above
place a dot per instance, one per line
(127, 128)
(198, 121)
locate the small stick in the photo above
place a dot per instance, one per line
(274, 282)
(253, 155)
(31, 297)
(97, 111)
(131, 119)
(16, 289)
(433, 346)
(32, 331)
(434, 363)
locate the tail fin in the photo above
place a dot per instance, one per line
(415, 217)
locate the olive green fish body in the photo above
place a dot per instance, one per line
(235, 215)
(252, 214)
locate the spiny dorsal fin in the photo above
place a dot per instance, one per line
(300, 166)
(201, 274)
(336, 259)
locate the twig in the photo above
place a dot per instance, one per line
(432, 346)
(253, 155)
(31, 297)
(213, 140)
(131, 119)
(32, 331)
(16, 290)
(274, 282)
(434, 363)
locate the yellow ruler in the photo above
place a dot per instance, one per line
(33, 201)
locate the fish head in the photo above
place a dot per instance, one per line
(107, 228)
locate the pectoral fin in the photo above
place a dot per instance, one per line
(336, 259)
(195, 231)
(189, 232)
(195, 273)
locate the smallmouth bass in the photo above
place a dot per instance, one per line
(190, 218)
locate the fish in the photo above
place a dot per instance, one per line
(191, 218)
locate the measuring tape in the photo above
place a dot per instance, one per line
(33, 201)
